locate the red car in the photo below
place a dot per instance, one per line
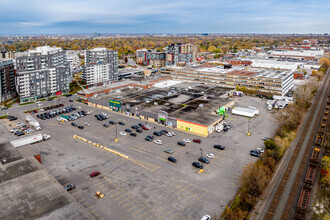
(144, 127)
(95, 173)
(197, 141)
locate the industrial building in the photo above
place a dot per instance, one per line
(101, 66)
(265, 81)
(7, 80)
(42, 73)
(189, 107)
(28, 191)
(174, 54)
(296, 54)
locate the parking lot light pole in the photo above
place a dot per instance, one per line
(116, 133)
(201, 152)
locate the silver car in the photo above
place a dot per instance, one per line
(168, 151)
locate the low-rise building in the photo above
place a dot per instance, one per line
(296, 54)
(7, 80)
(265, 81)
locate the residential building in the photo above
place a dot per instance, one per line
(7, 55)
(7, 80)
(72, 57)
(264, 81)
(180, 53)
(101, 66)
(42, 73)
(174, 53)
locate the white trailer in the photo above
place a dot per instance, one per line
(248, 112)
(33, 122)
(271, 104)
(285, 98)
(30, 140)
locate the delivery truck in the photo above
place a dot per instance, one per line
(30, 140)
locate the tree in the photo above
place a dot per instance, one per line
(254, 178)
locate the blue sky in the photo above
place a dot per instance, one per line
(164, 16)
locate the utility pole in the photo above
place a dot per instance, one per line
(201, 152)
(248, 131)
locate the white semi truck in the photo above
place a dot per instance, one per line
(33, 122)
(30, 140)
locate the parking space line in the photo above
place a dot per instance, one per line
(92, 211)
(81, 200)
(162, 159)
(143, 214)
(128, 203)
(119, 197)
(167, 213)
(138, 211)
(84, 203)
(132, 207)
(115, 194)
(150, 217)
(124, 200)
(89, 207)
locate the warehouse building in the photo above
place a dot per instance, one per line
(264, 81)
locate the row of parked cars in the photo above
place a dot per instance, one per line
(47, 108)
(74, 116)
(57, 112)
(22, 129)
(11, 118)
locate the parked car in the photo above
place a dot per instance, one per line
(186, 140)
(181, 144)
(94, 174)
(105, 125)
(13, 119)
(197, 165)
(210, 155)
(87, 123)
(163, 132)
(260, 150)
(133, 134)
(122, 133)
(69, 187)
(128, 130)
(203, 160)
(81, 127)
(148, 126)
(148, 139)
(139, 130)
(141, 125)
(172, 159)
(134, 126)
(168, 151)
(254, 153)
(112, 122)
(144, 127)
(158, 142)
(157, 133)
(265, 138)
(197, 141)
(70, 100)
(218, 146)
(121, 123)
(206, 217)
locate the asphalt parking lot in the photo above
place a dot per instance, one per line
(146, 185)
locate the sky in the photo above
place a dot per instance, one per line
(164, 16)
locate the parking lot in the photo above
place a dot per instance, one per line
(146, 185)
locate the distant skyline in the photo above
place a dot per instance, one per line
(171, 16)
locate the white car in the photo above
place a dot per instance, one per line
(186, 140)
(122, 133)
(148, 126)
(87, 123)
(158, 142)
(206, 217)
(210, 155)
(79, 107)
(169, 135)
(172, 133)
(260, 150)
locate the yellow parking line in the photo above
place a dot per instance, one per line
(92, 211)
(132, 207)
(115, 194)
(81, 200)
(128, 204)
(124, 200)
(150, 217)
(143, 214)
(89, 207)
(171, 210)
(84, 203)
(138, 211)
(162, 159)
(193, 201)
(119, 197)
(77, 196)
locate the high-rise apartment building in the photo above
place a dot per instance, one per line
(7, 55)
(42, 73)
(174, 53)
(101, 66)
(7, 80)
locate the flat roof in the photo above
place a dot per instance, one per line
(8, 153)
(28, 191)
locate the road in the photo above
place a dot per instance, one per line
(265, 209)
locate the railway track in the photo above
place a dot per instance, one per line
(302, 192)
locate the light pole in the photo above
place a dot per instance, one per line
(248, 132)
(201, 152)
(116, 133)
